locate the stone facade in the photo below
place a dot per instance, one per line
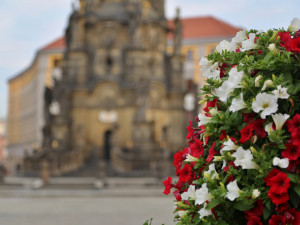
(120, 96)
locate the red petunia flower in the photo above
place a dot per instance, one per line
(257, 210)
(282, 207)
(185, 174)
(277, 220)
(292, 216)
(294, 123)
(248, 117)
(179, 157)
(293, 166)
(223, 69)
(278, 199)
(223, 135)
(285, 40)
(177, 195)
(295, 45)
(211, 153)
(197, 149)
(292, 152)
(254, 220)
(258, 126)
(211, 104)
(168, 185)
(279, 183)
(272, 173)
(246, 133)
(190, 131)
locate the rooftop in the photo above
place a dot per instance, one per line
(192, 28)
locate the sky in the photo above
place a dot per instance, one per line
(28, 25)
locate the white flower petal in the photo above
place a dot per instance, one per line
(267, 103)
(233, 191)
(279, 119)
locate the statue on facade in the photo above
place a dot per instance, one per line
(177, 33)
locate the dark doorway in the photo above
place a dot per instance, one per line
(107, 144)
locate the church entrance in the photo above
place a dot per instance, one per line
(107, 144)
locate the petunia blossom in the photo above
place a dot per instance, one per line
(244, 158)
(202, 195)
(228, 146)
(281, 92)
(238, 103)
(233, 191)
(190, 194)
(203, 119)
(204, 212)
(266, 104)
(282, 163)
(279, 119)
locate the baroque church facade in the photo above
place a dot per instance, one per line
(119, 96)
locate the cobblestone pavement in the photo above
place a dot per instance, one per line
(85, 210)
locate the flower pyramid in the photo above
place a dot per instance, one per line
(242, 162)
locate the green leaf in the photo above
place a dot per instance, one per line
(222, 222)
(294, 178)
(297, 189)
(243, 205)
(295, 198)
(267, 213)
(213, 203)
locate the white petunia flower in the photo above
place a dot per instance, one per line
(204, 212)
(266, 103)
(202, 195)
(211, 71)
(237, 104)
(255, 193)
(268, 83)
(234, 81)
(295, 25)
(279, 119)
(282, 163)
(211, 169)
(235, 78)
(257, 80)
(281, 92)
(203, 119)
(233, 191)
(249, 43)
(224, 91)
(228, 146)
(244, 159)
(269, 128)
(240, 37)
(225, 46)
(190, 194)
(190, 158)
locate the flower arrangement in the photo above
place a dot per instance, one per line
(242, 162)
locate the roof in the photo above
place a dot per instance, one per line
(197, 27)
(57, 44)
(204, 27)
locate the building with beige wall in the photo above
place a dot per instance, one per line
(25, 118)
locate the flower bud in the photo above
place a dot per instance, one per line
(268, 83)
(273, 48)
(255, 193)
(214, 111)
(257, 80)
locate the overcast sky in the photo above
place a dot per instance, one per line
(27, 25)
